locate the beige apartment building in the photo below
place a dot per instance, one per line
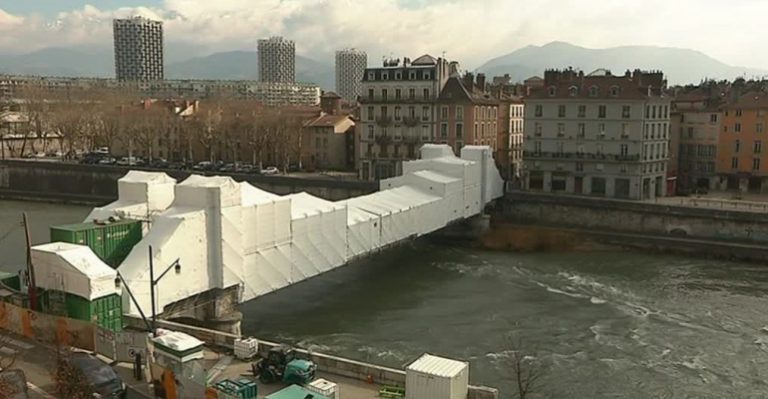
(697, 121)
(598, 134)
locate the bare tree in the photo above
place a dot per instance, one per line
(71, 382)
(527, 371)
(7, 361)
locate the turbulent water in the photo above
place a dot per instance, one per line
(604, 324)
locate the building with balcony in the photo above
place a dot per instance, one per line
(138, 46)
(598, 134)
(329, 137)
(397, 113)
(277, 60)
(741, 161)
(696, 123)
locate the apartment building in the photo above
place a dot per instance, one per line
(397, 113)
(138, 44)
(467, 115)
(696, 122)
(509, 152)
(350, 67)
(598, 134)
(329, 137)
(277, 60)
(741, 162)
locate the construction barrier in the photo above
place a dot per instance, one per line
(47, 328)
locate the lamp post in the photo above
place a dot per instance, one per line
(153, 282)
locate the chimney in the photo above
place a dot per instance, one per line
(469, 81)
(481, 81)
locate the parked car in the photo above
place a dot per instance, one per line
(102, 150)
(107, 161)
(246, 168)
(203, 166)
(270, 170)
(54, 154)
(229, 168)
(130, 161)
(159, 163)
(103, 378)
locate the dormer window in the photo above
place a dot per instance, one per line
(398, 75)
(593, 91)
(371, 75)
(615, 91)
(412, 75)
(385, 75)
(426, 76)
(552, 91)
(573, 91)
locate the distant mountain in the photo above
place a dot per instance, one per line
(244, 65)
(681, 66)
(182, 62)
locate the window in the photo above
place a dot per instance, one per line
(412, 75)
(397, 93)
(736, 146)
(738, 112)
(666, 111)
(601, 111)
(625, 130)
(759, 128)
(614, 91)
(412, 94)
(625, 111)
(443, 130)
(573, 90)
(560, 129)
(370, 132)
(645, 131)
(318, 141)
(756, 164)
(737, 128)
(647, 112)
(398, 75)
(384, 112)
(537, 147)
(426, 94)
(444, 113)
(560, 147)
(397, 113)
(539, 111)
(371, 75)
(370, 94)
(582, 130)
(552, 91)
(384, 94)
(593, 91)
(653, 112)
(425, 113)
(624, 150)
(476, 130)
(537, 129)
(582, 111)
(580, 149)
(425, 132)
(427, 75)
(758, 147)
(599, 149)
(412, 112)
(385, 75)
(601, 129)
(579, 167)
(734, 163)
(459, 113)
(713, 118)
(690, 132)
(561, 111)
(371, 114)
(459, 130)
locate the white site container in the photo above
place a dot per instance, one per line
(324, 387)
(435, 377)
(246, 348)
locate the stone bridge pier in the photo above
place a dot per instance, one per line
(214, 309)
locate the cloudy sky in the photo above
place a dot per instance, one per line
(470, 31)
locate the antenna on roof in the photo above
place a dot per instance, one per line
(443, 54)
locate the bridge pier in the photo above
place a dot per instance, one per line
(214, 309)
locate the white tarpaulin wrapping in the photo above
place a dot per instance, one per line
(363, 231)
(226, 233)
(140, 196)
(74, 269)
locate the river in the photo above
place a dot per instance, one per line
(603, 324)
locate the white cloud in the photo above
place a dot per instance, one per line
(470, 31)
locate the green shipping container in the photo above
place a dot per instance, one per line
(110, 241)
(106, 312)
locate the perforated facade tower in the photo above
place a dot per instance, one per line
(350, 67)
(277, 60)
(138, 49)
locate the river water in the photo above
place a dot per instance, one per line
(603, 324)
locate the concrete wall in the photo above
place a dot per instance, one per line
(326, 363)
(46, 328)
(635, 217)
(98, 184)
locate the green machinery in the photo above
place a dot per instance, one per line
(111, 239)
(281, 364)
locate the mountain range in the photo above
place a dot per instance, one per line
(681, 66)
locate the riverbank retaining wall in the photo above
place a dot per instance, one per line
(634, 217)
(326, 363)
(97, 184)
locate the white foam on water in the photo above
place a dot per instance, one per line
(597, 301)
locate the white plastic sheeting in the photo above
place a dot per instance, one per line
(232, 234)
(74, 269)
(141, 195)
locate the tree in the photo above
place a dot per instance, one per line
(7, 361)
(526, 370)
(70, 381)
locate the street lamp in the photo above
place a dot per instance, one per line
(176, 266)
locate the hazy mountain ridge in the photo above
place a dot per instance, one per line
(681, 66)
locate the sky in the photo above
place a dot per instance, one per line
(470, 31)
